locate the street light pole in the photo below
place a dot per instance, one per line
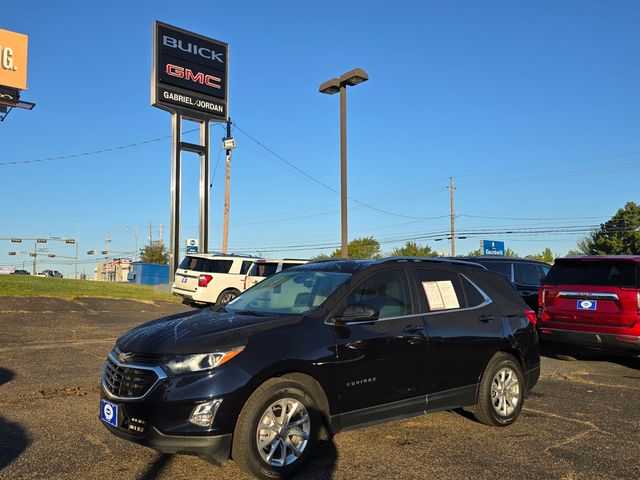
(343, 170)
(330, 87)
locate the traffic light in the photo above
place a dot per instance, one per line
(12, 253)
(91, 252)
(70, 241)
(16, 240)
(41, 240)
(33, 254)
(51, 255)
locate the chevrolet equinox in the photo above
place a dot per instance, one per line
(318, 349)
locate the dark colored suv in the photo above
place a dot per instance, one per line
(317, 349)
(593, 302)
(526, 275)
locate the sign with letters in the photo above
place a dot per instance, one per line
(190, 73)
(13, 60)
(492, 247)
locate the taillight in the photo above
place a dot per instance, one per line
(638, 300)
(542, 297)
(531, 315)
(203, 280)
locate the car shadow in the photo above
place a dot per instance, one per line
(6, 375)
(572, 353)
(156, 468)
(322, 464)
(14, 439)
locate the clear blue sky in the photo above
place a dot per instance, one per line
(532, 107)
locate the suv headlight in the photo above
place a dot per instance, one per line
(200, 361)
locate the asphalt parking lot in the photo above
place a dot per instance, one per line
(582, 420)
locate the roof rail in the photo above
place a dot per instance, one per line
(433, 260)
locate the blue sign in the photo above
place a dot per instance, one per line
(109, 412)
(587, 304)
(493, 248)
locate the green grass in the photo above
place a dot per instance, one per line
(30, 286)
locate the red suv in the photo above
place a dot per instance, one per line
(592, 302)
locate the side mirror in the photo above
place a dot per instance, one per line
(357, 313)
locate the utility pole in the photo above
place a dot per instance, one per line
(150, 234)
(227, 188)
(75, 269)
(161, 236)
(453, 219)
(35, 258)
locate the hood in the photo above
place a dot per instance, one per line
(202, 331)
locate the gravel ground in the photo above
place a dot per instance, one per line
(581, 421)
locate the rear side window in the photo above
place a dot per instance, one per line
(244, 268)
(543, 270)
(286, 265)
(503, 268)
(439, 290)
(526, 273)
(474, 297)
(612, 273)
(192, 263)
(218, 266)
(263, 269)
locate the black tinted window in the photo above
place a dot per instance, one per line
(526, 273)
(286, 265)
(593, 272)
(192, 263)
(474, 297)
(543, 270)
(244, 268)
(218, 266)
(384, 291)
(263, 269)
(503, 268)
(440, 289)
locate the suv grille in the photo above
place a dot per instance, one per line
(128, 382)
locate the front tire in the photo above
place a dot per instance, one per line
(277, 430)
(501, 391)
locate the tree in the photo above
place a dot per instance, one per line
(412, 249)
(154, 253)
(366, 247)
(545, 256)
(618, 236)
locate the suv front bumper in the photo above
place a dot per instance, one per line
(215, 449)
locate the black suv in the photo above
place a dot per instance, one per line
(317, 349)
(525, 274)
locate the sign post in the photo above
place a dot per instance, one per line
(190, 80)
(13, 72)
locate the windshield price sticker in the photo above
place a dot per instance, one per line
(441, 295)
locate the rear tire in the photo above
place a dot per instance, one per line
(226, 296)
(501, 391)
(277, 430)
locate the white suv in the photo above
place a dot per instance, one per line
(203, 279)
(263, 268)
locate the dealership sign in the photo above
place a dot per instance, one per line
(190, 73)
(13, 60)
(492, 247)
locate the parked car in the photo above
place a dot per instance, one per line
(209, 279)
(318, 349)
(526, 275)
(263, 268)
(21, 272)
(592, 302)
(51, 273)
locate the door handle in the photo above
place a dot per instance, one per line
(412, 328)
(485, 318)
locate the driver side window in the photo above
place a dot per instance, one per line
(385, 291)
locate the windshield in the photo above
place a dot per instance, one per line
(293, 291)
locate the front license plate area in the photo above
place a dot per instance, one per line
(109, 412)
